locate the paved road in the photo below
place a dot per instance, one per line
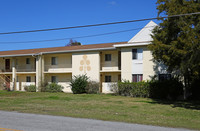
(13, 121)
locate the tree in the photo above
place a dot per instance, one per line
(176, 41)
(73, 43)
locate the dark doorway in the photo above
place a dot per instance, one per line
(119, 60)
(7, 65)
(119, 77)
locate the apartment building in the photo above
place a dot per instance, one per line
(105, 63)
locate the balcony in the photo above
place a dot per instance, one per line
(25, 68)
(111, 66)
(5, 71)
(61, 68)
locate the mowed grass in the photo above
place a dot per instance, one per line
(105, 107)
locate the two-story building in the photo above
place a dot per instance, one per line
(105, 63)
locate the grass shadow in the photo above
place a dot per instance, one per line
(195, 105)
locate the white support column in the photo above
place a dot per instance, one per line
(14, 74)
(43, 77)
(38, 72)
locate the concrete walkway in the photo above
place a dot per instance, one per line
(13, 121)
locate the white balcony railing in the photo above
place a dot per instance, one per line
(25, 68)
(58, 68)
(109, 87)
(110, 66)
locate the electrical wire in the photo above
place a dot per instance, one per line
(111, 23)
(78, 37)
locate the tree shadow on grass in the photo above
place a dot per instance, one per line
(194, 105)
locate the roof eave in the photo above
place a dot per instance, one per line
(64, 51)
(132, 44)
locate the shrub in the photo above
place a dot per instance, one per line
(79, 84)
(31, 88)
(92, 87)
(139, 89)
(167, 89)
(195, 89)
(53, 87)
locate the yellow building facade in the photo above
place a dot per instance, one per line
(104, 63)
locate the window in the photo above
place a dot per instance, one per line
(137, 54)
(107, 78)
(53, 60)
(164, 77)
(137, 77)
(28, 61)
(134, 52)
(16, 62)
(107, 57)
(53, 79)
(28, 79)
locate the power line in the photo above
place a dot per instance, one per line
(20, 42)
(111, 23)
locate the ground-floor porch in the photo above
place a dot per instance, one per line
(106, 84)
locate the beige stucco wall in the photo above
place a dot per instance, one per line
(64, 63)
(22, 77)
(114, 76)
(62, 79)
(3, 61)
(148, 64)
(2, 65)
(21, 65)
(86, 63)
(109, 65)
(126, 64)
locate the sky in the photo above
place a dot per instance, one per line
(19, 15)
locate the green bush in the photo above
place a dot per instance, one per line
(139, 89)
(31, 88)
(167, 89)
(92, 87)
(53, 87)
(79, 84)
(195, 89)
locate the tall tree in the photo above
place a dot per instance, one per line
(176, 41)
(73, 43)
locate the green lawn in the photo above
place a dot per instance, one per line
(105, 107)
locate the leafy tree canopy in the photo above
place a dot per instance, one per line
(73, 43)
(176, 41)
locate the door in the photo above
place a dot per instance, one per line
(119, 77)
(7, 64)
(119, 60)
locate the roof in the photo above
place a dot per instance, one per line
(142, 38)
(144, 34)
(78, 48)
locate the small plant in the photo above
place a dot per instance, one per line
(92, 87)
(31, 88)
(53, 87)
(79, 84)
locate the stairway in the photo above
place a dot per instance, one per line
(4, 82)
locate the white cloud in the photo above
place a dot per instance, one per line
(113, 3)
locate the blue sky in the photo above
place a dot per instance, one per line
(17, 15)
